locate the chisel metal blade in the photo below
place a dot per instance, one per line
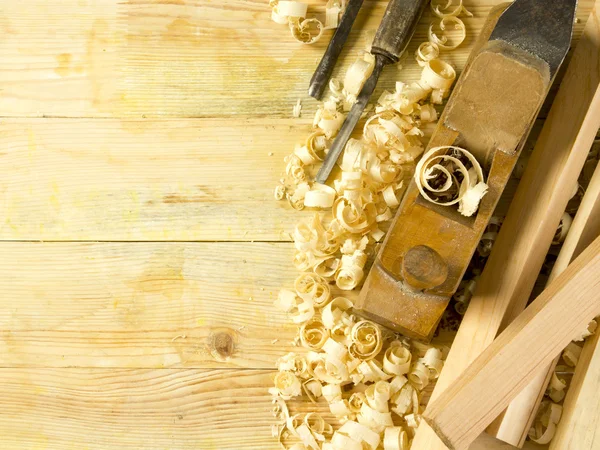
(353, 117)
(539, 27)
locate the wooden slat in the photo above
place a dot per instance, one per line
(148, 180)
(463, 411)
(99, 409)
(191, 58)
(579, 426)
(123, 305)
(86, 179)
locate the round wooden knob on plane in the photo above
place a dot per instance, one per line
(423, 268)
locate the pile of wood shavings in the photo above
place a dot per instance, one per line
(372, 381)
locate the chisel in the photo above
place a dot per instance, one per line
(321, 76)
(395, 31)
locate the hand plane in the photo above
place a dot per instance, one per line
(490, 114)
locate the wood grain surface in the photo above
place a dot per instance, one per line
(152, 120)
(132, 409)
(145, 180)
(178, 58)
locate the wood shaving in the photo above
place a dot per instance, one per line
(365, 375)
(589, 331)
(563, 229)
(307, 31)
(442, 41)
(443, 8)
(332, 14)
(451, 175)
(297, 109)
(571, 354)
(544, 426)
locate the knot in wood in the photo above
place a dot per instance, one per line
(222, 345)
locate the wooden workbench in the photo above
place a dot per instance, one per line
(141, 245)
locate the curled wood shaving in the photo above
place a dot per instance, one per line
(442, 8)
(320, 196)
(545, 423)
(590, 330)
(307, 31)
(442, 41)
(332, 14)
(449, 175)
(557, 388)
(426, 52)
(489, 236)
(563, 229)
(361, 434)
(313, 334)
(366, 341)
(287, 385)
(395, 438)
(571, 354)
(358, 73)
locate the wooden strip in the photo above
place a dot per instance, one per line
(130, 304)
(520, 414)
(147, 180)
(514, 424)
(85, 179)
(99, 409)
(533, 216)
(486, 442)
(461, 413)
(579, 426)
(190, 58)
(585, 228)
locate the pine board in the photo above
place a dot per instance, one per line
(177, 58)
(138, 121)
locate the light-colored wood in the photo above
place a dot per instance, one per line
(461, 413)
(130, 304)
(184, 58)
(141, 180)
(513, 425)
(579, 426)
(486, 442)
(135, 58)
(516, 420)
(585, 228)
(138, 409)
(533, 216)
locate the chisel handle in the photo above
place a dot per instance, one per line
(323, 72)
(397, 28)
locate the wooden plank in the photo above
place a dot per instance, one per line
(533, 216)
(190, 58)
(579, 426)
(584, 70)
(99, 409)
(462, 412)
(140, 180)
(128, 305)
(147, 180)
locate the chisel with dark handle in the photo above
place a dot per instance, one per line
(393, 35)
(323, 72)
